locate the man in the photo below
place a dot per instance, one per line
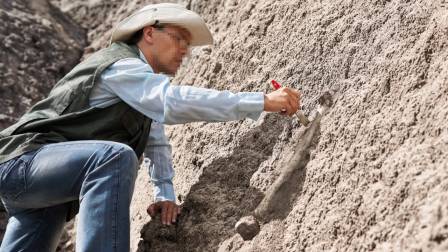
(80, 146)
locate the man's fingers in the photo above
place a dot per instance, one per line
(168, 209)
(164, 213)
(295, 96)
(151, 210)
(175, 213)
(294, 92)
(169, 215)
(294, 105)
(297, 100)
(292, 99)
(291, 91)
(288, 106)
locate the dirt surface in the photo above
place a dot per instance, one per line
(99, 17)
(376, 178)
(39, 45)
(376, 170)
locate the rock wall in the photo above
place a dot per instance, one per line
(99, 17)
(375, 171)
(39, 45)
(376, 177)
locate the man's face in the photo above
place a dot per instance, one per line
(170, 45)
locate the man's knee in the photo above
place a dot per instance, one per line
(128, 158)
(113, 155)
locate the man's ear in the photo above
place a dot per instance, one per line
(148, 34)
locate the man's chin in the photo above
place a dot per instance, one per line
(173, 71)
(170, 71)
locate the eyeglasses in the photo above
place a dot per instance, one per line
(179, 40)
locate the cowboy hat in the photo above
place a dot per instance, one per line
(165, 13)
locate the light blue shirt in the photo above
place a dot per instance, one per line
(133, 81)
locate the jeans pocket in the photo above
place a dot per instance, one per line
(13, 179)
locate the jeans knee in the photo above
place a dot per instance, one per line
(128, 159)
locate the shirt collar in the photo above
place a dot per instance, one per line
(142, 57)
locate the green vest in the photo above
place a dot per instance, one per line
(65, 115)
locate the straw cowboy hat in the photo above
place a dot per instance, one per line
(165, 13)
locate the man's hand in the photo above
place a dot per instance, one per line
(285, 100)
(168, 209)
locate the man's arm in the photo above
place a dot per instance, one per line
(161, 172)
(134, 82)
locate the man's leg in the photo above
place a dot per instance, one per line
(100, 174)
(103, 220)
(35, 229)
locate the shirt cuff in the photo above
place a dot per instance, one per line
(251, 104)
(164, 192)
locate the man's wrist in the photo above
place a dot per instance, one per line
(158, 199)
(265, 102)
(164, 192)
(251, 102)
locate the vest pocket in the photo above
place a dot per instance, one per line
(57, 101)
(12, 178)
(61, 104)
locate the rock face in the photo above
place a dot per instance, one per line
(39, 45)
(377, 175)
(376, 172)
(99, 17)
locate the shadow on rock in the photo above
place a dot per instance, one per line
(221, 196)
(280, 197)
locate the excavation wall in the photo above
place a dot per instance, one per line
(374, 173)
(376, 178)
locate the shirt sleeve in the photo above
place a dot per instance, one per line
(134, 82)
(159, 163)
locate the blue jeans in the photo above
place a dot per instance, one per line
(36, 186)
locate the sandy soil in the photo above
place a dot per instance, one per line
(376, 170)
(377, 176)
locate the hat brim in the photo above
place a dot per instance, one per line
(172, 14)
